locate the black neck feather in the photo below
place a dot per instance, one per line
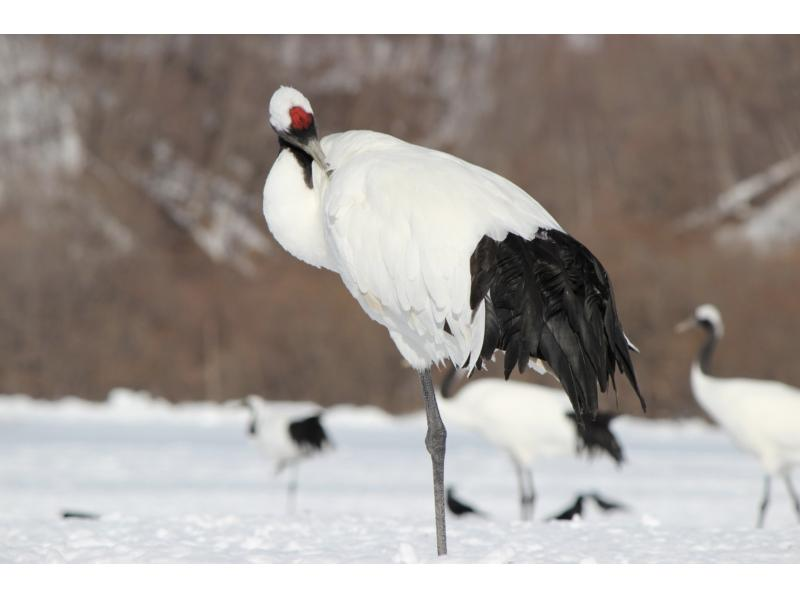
(707, 350)
(302, 158)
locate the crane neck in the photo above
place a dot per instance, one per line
(303, 159)
(707, 349)
(293, 207)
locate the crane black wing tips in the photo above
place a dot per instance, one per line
(549, 298)
(309, 434)
(621, 347)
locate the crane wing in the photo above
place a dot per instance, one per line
(456, 262)
(549, 298)
(403, 222)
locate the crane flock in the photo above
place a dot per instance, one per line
(458, 263)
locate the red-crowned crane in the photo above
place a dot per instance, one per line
(762, 416)
(528, 422)
(454, 260)
(286, 441)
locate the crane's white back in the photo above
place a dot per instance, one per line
(272, 435)
(762, 416)
(417, 214)
(528, 420)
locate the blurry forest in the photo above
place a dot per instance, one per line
(133, 251)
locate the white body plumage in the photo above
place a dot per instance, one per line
(761, 416)
(399, 223)
(528, 421)
(273, 440)
(270, 431)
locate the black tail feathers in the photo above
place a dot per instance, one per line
(595, 435)
(549, 298)
(309, 434)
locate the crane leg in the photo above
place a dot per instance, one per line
(291, 493)
(435, 441)
(527, 495)
(531, 493)
(764, 502)
(523, 493)
(788, 479)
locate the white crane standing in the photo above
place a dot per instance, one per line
(286, 441)
(762, 416)
(454, 260)
(527, 421)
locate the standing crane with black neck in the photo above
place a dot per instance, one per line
(454, 260)
(761, 416)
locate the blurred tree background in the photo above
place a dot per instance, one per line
(133, 250)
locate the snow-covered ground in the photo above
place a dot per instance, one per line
(184, 484)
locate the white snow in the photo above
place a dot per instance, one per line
(183, 483)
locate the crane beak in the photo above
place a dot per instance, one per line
(686, 325)
(314, 149)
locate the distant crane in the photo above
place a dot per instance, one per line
(286, 441)
(454, 260)
(527, 421)
(762, 416)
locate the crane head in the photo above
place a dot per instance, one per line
(252, 427)
(705, 316)
(292, 119)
